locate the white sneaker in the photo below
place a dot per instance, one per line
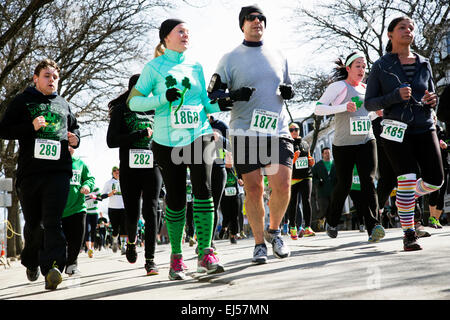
(72, 270)
(280, 249)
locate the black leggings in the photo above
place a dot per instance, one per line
(190, 228)
(43, 199)
(173, 162)
(74, 230)
(230, 205)
(387, 180)
(417, 151)
(146, 184)
(345, 158)
(91, 225)
(304, 189)
(218, 181)
(117, 219)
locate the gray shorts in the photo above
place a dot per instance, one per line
(254, 152)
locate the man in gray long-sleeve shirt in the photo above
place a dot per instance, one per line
(258, 81)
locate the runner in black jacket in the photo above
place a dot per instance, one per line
(140, 176)
(44, 125)
(401, 83)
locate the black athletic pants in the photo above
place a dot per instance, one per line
(345, 158)
(43, 199)
(117, 219)
(146, 184)
(173, 162)
(74, 230)
(91, 226)
(230, 205)
(218, 181)
(303, 189)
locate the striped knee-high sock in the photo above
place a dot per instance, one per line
(175, 221)
(423, 188)
(406, 200)
(203, 211)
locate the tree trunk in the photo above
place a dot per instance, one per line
(317, 121)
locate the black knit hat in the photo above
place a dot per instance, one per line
(245, 11)
(166, 27)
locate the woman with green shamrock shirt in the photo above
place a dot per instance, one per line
(174, 86)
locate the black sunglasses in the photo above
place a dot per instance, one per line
(293, 129)
(252, 17)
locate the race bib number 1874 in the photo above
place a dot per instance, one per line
(264, 121)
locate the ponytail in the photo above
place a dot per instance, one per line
(159, 50)
(389, 46)
(340, 71)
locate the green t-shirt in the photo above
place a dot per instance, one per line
(81, 177)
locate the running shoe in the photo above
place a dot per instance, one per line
(308, 232)
(191, 242)
(377, 234)
(420, 230)
(280, 249)
(115, 246)
(293, 233)
(123, 249)
(434, 223)
(209, 263)
(33, 274)
(362, 228)
(150, 268)
(332, 232)
(90, 253)
(260, 254)
(131, 253)
(72, 270)
(410, 241)
(300, 232)
(243, 235)
(233, 240)
(176, 271)
(53, 278)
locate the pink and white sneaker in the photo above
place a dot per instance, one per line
(209, 263)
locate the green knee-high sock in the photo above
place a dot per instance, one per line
(175, 221)
(203, 211)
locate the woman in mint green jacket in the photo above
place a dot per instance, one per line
(174, 87)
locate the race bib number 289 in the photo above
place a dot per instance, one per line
(47, 149)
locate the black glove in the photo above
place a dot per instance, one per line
(287, 91)
(225, 104)
(173, 94)
(242, 94)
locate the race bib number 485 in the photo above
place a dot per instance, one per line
(264, 121)
(47, 149)
(393, 130)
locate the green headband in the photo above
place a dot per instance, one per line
(357, 55)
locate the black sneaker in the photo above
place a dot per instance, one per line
(131, 253)
(33, 274)
(53, 279)
(332, 232)
(151, 268)
(233, 240)
(410, 241)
